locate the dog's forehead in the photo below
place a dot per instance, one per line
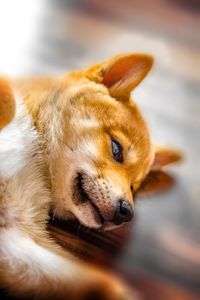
(93, 100)
(95, 107)
(126, 119)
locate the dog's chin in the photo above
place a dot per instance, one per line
(88, 217)
(107, 226)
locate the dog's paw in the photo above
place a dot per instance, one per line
(97, 285)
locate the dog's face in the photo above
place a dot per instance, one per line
(106, 150)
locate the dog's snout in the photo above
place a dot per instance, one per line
(123, 213)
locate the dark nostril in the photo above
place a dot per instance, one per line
(123, 213)
(124, 208)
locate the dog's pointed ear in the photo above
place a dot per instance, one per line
(156, 181)
(7, 103)
(165, 156)
(122, 73)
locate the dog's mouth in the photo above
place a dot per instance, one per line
(81, 196)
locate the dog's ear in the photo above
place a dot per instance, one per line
(7, 103)
(165, 156)
(156, 181)
(122, 73)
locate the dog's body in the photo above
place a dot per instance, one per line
(77, 145)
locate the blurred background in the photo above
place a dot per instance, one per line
(39, 37)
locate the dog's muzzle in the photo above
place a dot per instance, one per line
(122, 212)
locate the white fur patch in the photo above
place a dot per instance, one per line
(19, 251)
(16, 143)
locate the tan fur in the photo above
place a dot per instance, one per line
(75, 117)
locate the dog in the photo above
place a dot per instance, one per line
(76, 145)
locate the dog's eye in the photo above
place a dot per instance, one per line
(117, 151)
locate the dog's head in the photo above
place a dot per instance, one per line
(106, 149)
(97, 144)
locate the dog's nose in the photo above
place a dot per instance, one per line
(123, 213)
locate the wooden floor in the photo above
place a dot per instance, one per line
(158, 254)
